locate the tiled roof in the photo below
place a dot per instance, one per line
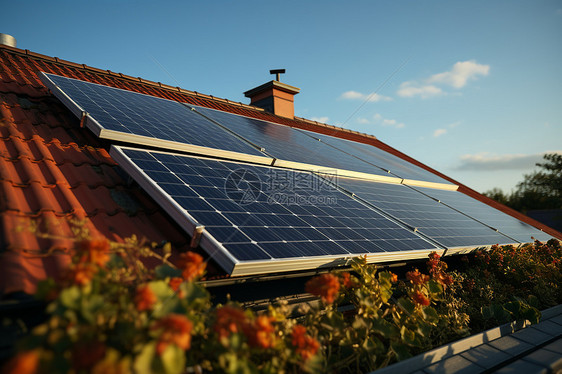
(52, 170)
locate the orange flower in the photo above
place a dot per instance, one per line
(192, 265)
(444, 279)
(346, 281)
(94, 251)
(26, 362)
(175, 283)
(176, 329)
(81, 273)
(393, 277)
(420, 298)
(145, 298)
(326, 286)
(229, 320)
(261, 333)
(416, 277)
(306, 345)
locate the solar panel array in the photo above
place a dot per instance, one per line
(260, 218)
(264, 214)
(288, 144)
(116, 112)
(446, 226)
(504, 223)
(376, 156)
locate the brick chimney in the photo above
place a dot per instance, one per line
(274, 96)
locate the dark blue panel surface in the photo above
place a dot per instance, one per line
(287, 143)
(504, 223)
(261, 213)
(134, 113)
(431, 218)
(373, 155)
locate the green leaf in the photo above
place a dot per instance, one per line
(424, 329)
(195, 294)
(386, 329)
(487, 312)
(409, 337)
(166, 271)
(435, 288)
(407, 305)
(90, 307)
(144, 361)
(513, 306)
(173, 359)
(430, 314)
(500, 313)
(533, 301)
(400, 350)
(70, 297)
(532, 314)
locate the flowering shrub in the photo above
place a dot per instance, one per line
(109, 313)
(508, 283)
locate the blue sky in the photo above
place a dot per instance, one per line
(473, 89)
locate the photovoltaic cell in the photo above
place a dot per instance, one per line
(287, 143)
(132, 113)
(384, 160)
(261, 214)
(431, 218)
(504, 223)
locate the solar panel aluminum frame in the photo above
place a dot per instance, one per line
(221, 255)
(406, 181)
(338, 172)
(92, 124)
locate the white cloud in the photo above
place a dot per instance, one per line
(320, 119)
(457, 77)
(485, 161)
(439, 132)
(377, 119)
(411, 89)
(461, 72)
(372, 97)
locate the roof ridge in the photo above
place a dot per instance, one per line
(56, 60)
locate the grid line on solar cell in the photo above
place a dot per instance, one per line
(148, 116)
(504, 223)
(379, 158)
(290, 144)
(431, 218)
(267, 228)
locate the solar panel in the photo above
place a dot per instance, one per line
(259, 219)
(384, 160)
(292, 148)
(446, 226)
(504, 223)
(142, 119)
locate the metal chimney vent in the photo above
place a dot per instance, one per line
(8, 40)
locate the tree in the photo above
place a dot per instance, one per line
(541, 189)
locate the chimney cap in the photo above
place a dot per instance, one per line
(8, 40)
(272, 85)
(277, 72)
